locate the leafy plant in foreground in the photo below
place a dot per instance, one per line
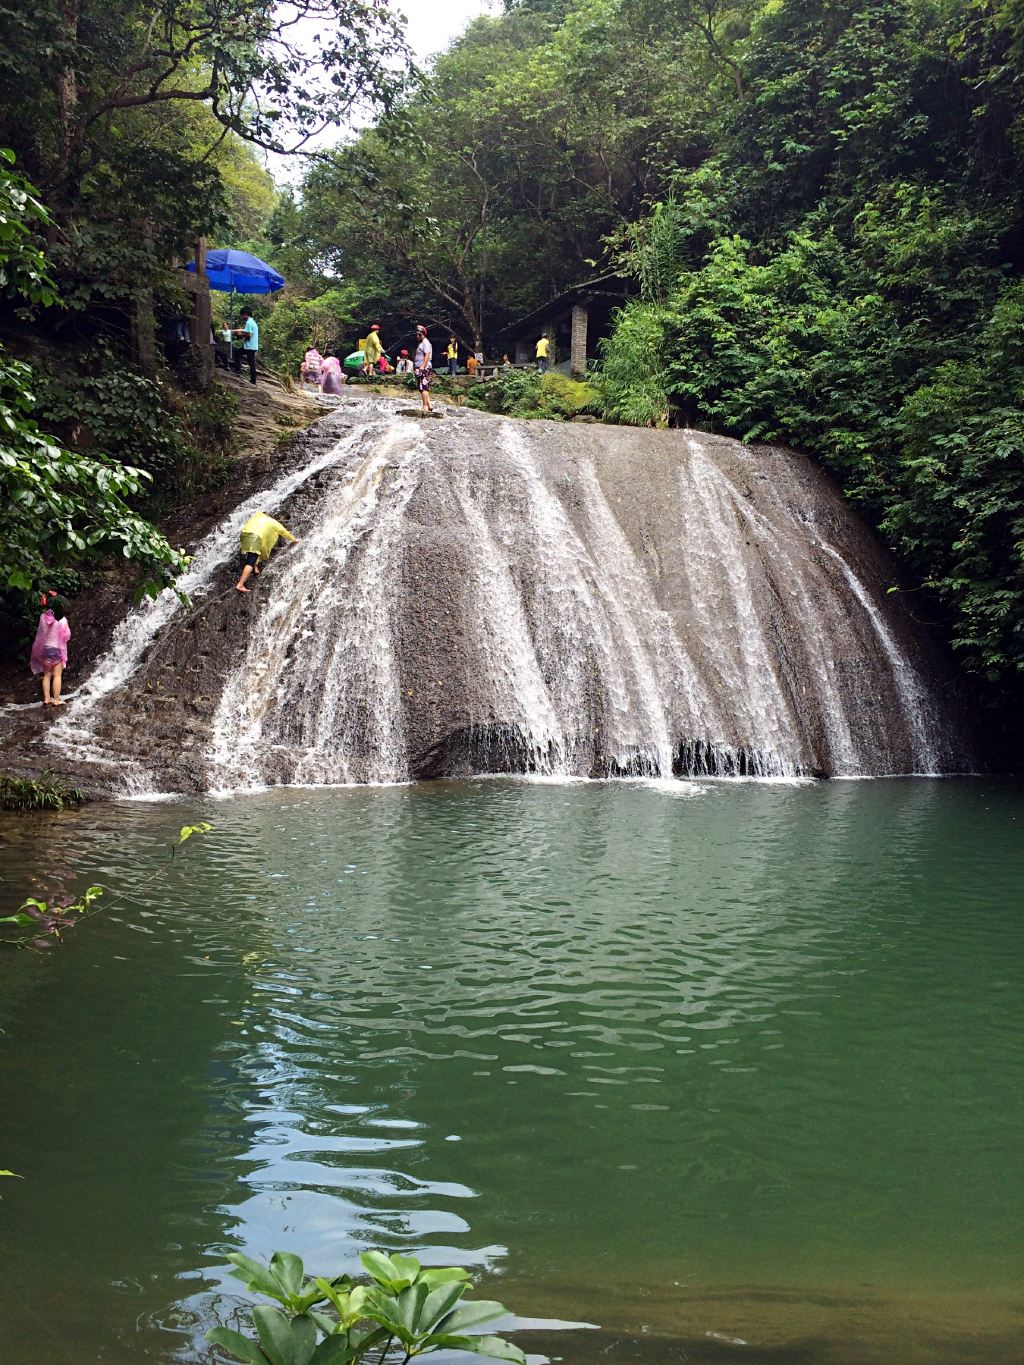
(403, 1311)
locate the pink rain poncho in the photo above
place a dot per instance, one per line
(50, 646)
(331, 377)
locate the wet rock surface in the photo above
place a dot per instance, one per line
(487, 595)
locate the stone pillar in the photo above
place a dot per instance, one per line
(578, 345)
(201, 318)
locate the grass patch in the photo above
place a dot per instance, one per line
(45, 792)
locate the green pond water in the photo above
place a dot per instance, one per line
(733, 1072)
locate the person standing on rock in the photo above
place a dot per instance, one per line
(259, 536)
(543, 347)
(452, 354)
(50, 647)
(423, 365)
(373, 350)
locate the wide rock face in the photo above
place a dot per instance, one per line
(482, 595)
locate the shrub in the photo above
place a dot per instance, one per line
(340, 1322)
(527, 394)
(181, 440)
(45, 792)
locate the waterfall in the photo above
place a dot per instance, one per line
(315, 697)
(478, 594)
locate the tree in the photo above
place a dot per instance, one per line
(277, 75)
(61, 508)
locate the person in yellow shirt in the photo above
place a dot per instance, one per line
(452, 356)
(259, 536)
(372, 350)
(543, 346)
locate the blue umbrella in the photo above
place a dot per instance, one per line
(236, 272)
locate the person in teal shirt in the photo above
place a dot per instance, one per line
(250, 334)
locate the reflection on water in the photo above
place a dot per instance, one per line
(733, 1076)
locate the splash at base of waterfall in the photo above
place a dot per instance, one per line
(489, 596)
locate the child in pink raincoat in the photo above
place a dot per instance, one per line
(50, 647)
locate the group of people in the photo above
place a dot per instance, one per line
(324, 371)
(327, 374)
(237, 344)
(474, 360)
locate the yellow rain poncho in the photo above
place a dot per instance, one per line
(260, 534)
(372, 349)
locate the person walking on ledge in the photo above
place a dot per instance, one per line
(423, 365)
(543, 346)
(249, 346)
(259, 536)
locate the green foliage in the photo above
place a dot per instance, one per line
(527, 394)
(109, 406)
(843, 274)
(45, 792)
(631, 382)
(333, 1322)
(62, 508)
(24, 275)
(328, 322)
(538, 133)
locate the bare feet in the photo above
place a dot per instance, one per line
(56, 702)
(239, 588)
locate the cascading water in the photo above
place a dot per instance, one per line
(482, 595)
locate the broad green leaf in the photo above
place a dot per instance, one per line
(437, 1305)
(471, 1312)
(496, 1348)
(444, 1275)
(286, 1267)
(255, 1275)
(240, 1347)
(285, 1341)
(388, 1312)
(393, 1272)
(335, 1350)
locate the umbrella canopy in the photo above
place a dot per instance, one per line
(238, 272)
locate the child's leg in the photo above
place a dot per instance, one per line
(46, 687)
(58, 670)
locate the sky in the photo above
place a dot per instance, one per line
(431, 25)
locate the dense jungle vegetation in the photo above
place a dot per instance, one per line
(819, 205)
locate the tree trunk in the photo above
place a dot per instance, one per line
(67, 86)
